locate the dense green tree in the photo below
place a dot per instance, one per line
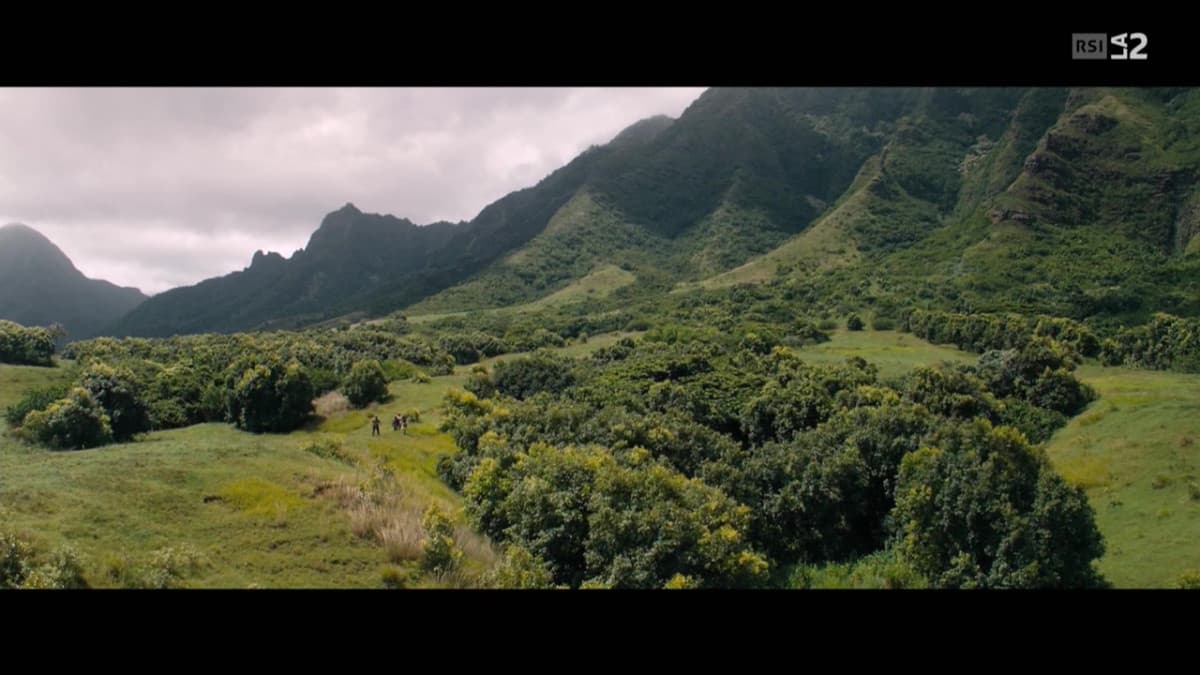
(981, 508)
(547, 507)
(438, 551)
(37, 398)
(950, 391)
(117, 392)
(268, 395)
(365, 384)
(72, 423)
(519, 569)
(784, 409)
(524, 377)
(25, 346)
(648, 525)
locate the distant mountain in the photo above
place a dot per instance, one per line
(1077, 202)
(39, 286)
(365, 263)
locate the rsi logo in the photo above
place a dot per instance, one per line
(1125, 46)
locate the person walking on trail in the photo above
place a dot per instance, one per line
(404, 424)
(396, 422)
(374, 425)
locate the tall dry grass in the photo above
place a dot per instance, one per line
(383, 510)
(383, 513)
(330, 404)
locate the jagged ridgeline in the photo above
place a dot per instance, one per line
(1080, 203)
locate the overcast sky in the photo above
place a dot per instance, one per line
(157, 188)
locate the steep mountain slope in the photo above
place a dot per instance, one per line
(737, 174)
(39, 285)
(1078, 202)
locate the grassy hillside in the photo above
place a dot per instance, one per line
(237, 509)
(1137, 452)
(597, 285)
(894, 353)
(257, 509)
(14, 380)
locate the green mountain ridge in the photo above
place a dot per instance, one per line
(1072, 202)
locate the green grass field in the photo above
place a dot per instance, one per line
(1137, 452)
(255, 508)
(250, 505)
(15, 380)
(895, 353)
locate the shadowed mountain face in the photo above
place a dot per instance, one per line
(959, 195)
(39, 286)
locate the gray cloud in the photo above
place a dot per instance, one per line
(157, 188)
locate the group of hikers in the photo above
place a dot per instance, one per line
(398, 422)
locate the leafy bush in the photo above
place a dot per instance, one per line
(330, 449)
(398, 369)
(1166, 343)
(270, 396)
(169, 566)
(15, 560)
(116, 390)
(983, 332)
(524, 377)
(854, 322)
(804, 332)
(63, 570)
(19, 567)
(1038, 424)
(25, 346)
(71, 423)
(38, 398)
(439, 553)
(519, 569)
(365, 384)
(324, 380)
(167, 414)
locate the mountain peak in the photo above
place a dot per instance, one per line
(260, 256)
(22, 245)
(644, 130)
(13, 230)
(42, 286)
